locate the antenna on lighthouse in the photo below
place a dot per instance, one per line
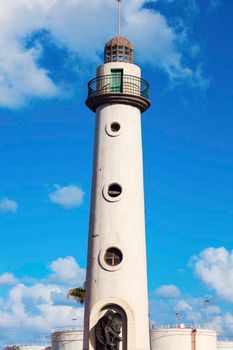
(119, 17)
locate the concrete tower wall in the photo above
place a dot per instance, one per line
(128, 69)
(183, 339)
(118, 222)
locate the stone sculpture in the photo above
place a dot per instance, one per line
(108, 331)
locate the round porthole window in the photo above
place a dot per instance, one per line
(114, 190)
(113, 256)
(113, 129)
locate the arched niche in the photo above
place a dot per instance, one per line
(127, 322)
(124, 333)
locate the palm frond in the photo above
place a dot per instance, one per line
(78, 294)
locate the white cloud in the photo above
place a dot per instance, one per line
(28, 312)
(67, 197)
(21, 78)
(7, 278)
(223, 323)
(191, 310)
(78, 26)
(67, 271)
(183, 305)
(215, 268)
(168, 291)
(194, 310)
(32, 309)
(37, 292)
(214, 5)
(8, 205)
(157, 44)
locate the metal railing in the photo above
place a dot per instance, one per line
(67, 329)
(20, 346)
(225, 339)
(118, 84)
(181, 325)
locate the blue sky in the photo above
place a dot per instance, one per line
(49, 51)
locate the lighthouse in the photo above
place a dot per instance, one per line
(116, 301)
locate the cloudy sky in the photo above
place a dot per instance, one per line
(49, 49)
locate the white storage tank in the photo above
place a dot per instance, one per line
(70, 338)
(183, 337)
(27, 347)
(225, 345)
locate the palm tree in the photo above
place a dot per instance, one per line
(78, 294)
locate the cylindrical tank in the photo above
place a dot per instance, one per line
(67, 339)
(225, 345)
(27, 347)
(182, 337)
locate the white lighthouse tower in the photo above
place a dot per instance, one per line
(116, 302)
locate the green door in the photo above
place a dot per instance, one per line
(116, 80)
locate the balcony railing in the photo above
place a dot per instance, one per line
(116, 83)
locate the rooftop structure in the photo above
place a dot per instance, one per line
(118, 81)
(119, 49)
